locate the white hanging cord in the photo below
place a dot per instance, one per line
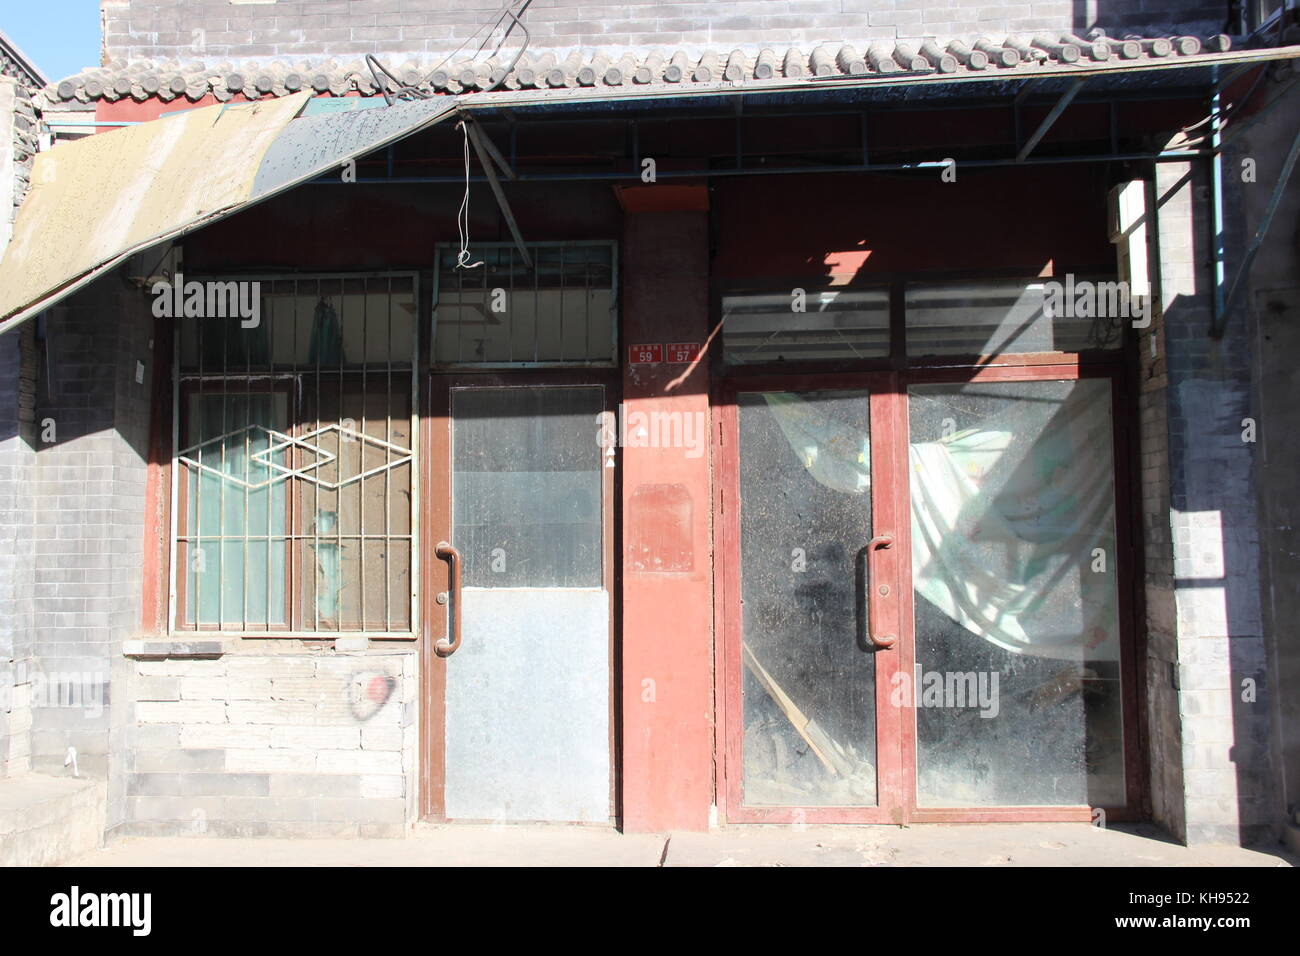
(462, 215)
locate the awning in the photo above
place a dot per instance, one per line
(98, 200)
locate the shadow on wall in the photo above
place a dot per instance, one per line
(93, 361)
(1122, 17)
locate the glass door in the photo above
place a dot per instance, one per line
(814, 630)
(1016, 562)
(924, 601)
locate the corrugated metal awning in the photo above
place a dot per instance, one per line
(98, 200)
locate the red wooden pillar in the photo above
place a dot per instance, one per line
(667, 611)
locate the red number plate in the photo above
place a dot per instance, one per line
(645, 354)
(682, 352)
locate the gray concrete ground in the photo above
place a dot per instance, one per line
(933, 845)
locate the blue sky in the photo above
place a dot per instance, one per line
(60, 37)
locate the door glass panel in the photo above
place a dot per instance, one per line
(808, 677)
(1017, 685)
(527, 480)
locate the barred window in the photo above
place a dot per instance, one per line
(295, 474)
(504, 313)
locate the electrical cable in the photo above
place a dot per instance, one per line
(414, 89)
(462, 214)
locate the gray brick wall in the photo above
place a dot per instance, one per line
(422, 28)
(1211, 767)
(17, 401)
(260, 743)
(1164, 727)
(1271, 313)
(86, 499)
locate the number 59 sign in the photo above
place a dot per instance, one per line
(645, 354)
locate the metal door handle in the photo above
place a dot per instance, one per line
(879, 543)
(445, 647)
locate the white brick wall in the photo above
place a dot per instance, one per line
(266, 743)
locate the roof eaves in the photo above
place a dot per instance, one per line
(23, 60)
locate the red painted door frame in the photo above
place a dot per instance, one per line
(885, 474)
(896, 725)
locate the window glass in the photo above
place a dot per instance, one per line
(526, 486)
(501, 313)
(296, 460)
(1002, 317)
(803, 325)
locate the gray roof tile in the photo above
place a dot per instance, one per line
(544, 69)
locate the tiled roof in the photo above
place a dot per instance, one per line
(13, 62)
(543, 70)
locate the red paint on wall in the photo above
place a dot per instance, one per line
(913, 222)
(659, 529)
(667, 615)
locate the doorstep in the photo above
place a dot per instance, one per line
(1015, 844)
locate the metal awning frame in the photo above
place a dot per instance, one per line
(730, 101)
(1018, 104)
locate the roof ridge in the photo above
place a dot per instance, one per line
(595, 66)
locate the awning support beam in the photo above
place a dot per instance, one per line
(486, 141)
(485, 158)
(1050, 119)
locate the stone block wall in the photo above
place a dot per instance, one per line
(19, 133)
(257, 742)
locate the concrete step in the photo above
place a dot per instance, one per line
(46, 820)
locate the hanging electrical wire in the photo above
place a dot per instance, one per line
(462, 214)
(513, 10)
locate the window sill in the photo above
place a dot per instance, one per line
(160, 648)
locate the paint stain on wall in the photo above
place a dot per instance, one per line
(659, 529)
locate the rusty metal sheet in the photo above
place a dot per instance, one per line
(313, 144)
(97, 199)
